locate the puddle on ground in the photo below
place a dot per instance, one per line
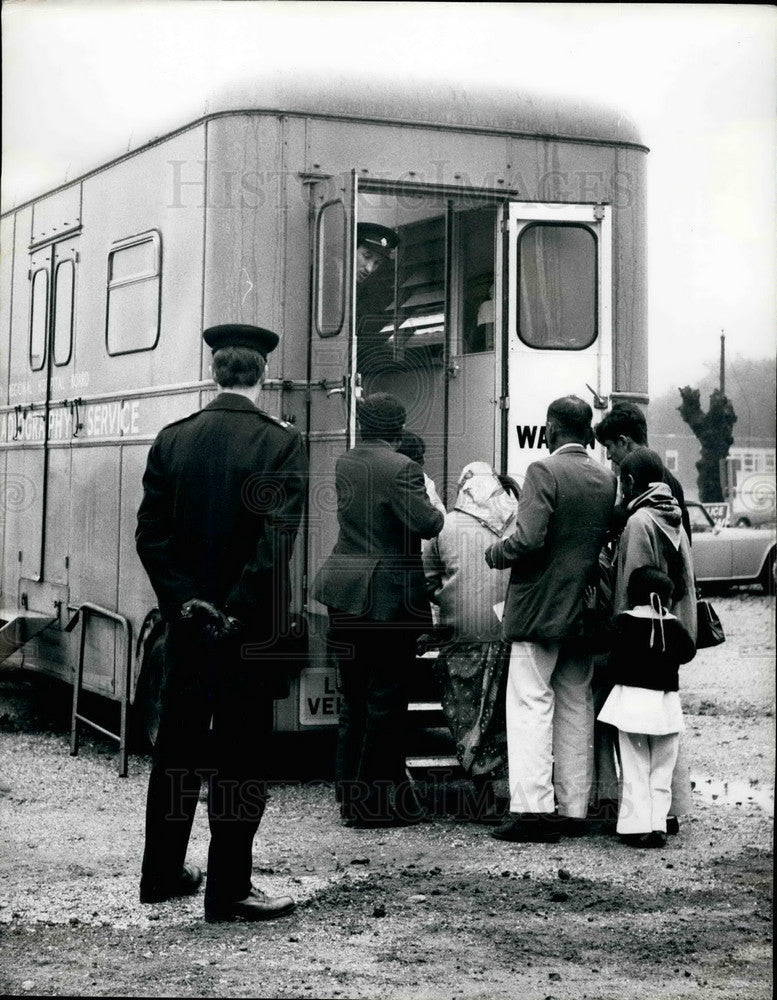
(734, 793)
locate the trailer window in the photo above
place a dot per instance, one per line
(331, 242)
(134, 284)
(38, 317)
(64, 290)
(557, 286)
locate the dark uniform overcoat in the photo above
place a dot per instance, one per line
(223, 495)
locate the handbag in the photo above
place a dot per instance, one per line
(709, 631)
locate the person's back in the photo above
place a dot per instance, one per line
(373, 587)
(228, 468)
(377, 502)
(223, 494)
(461, 584)
(562, 519)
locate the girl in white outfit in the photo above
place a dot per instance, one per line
(649, 644)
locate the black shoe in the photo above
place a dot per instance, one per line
(569, 827)
(672, 825)
(656, 839)
(636, 839)
(530, 828)
(256, 906)
(158, 890)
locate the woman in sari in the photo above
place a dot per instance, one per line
(469, 596)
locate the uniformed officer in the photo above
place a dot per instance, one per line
(375, 245)
(223, 498)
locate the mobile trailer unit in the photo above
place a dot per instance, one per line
(519, 277)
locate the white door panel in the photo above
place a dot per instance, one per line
(559, 318)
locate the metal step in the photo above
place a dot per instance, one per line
(18, 626)
(418, 763)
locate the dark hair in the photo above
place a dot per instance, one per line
(380, 415)
(572, 416)
(412, 446)
(623, 419)
(238, 366)
(644, 466)
(647, 580)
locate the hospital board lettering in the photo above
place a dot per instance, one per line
(118, 418)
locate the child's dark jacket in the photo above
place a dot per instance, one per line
(636, 663)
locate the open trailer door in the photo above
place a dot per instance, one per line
(558, 336)
(331, 417)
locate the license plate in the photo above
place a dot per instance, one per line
(319, 699)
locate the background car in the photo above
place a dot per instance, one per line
(755, 519)
(731, 555)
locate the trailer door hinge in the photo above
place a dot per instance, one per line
(504, 402)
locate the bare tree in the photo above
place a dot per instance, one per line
(713, 429)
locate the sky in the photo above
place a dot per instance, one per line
(85, 80)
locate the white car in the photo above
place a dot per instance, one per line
(724, 555)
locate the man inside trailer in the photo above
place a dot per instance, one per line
(375, 245)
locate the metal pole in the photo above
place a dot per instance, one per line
(722, 361)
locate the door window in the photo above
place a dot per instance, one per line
(557, 282)
(64, 296)
(331, 240)
(38, 318)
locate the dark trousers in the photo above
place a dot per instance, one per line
(375, 660)
(216, 718)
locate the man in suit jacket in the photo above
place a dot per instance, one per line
(562, 517)
(223, 497)
(373, 584)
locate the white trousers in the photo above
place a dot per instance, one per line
(647, 765)
(550, 726)
(607, 783)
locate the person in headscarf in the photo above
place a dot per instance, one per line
(471, 668)
(653, 536)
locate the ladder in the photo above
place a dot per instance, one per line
(427, 714)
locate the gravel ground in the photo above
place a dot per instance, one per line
(439, 910)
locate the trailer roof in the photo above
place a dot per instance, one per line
(443, 105)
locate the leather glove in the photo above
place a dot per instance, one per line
(214, 623)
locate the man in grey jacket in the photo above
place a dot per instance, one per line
(562, 517)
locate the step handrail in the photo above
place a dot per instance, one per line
(84, 612)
